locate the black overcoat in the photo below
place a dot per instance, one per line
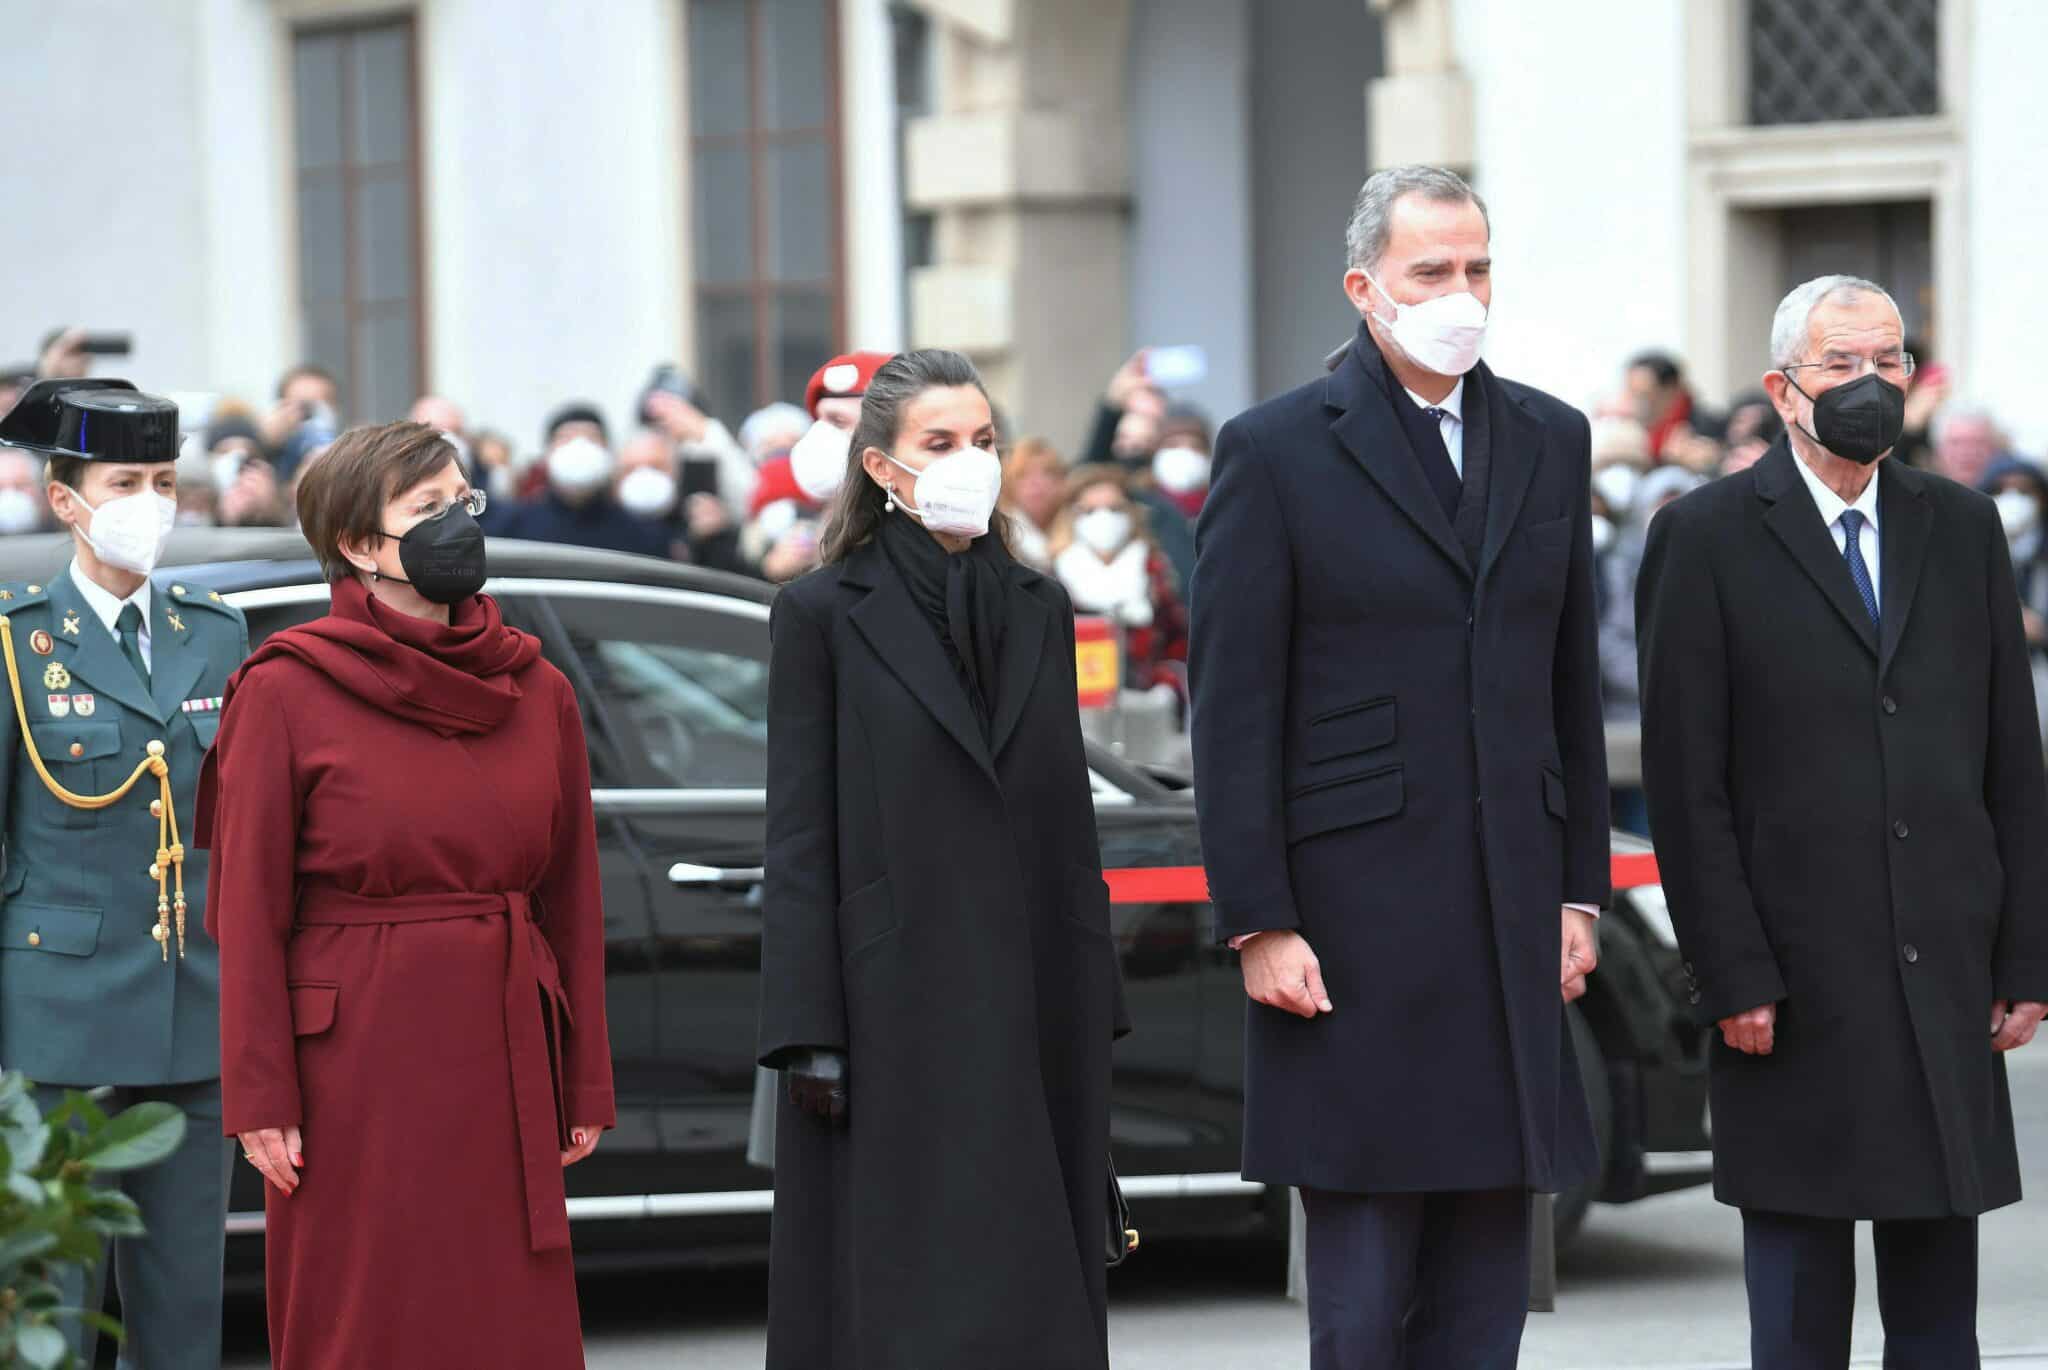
(1851, 825)
(935, 908)
(1399, 754)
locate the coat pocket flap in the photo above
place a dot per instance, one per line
(1553, 792)
(55, 739)
(1348, 731)
(206, 726)
(1345, 803)
(48, 927)
(866, 916)
(1089, 908)
(312, 1008)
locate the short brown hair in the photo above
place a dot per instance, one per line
(343, 490)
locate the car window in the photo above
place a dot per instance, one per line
(675, 689)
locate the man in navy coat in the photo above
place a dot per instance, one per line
(1403, 793)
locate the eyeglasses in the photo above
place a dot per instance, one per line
(476, 501)
(1840, 367)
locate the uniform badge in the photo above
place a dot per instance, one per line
(60, 706)
(6, 594)
(41, 643)
(55, 677)
(83, 705)
(71, 625)
(203, 705)
(177, 624)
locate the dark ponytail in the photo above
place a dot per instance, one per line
(858, 509)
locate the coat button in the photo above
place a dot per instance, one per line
(35, 939)
(1694, 996)
(1890, 705)
(156, 808)
(1912, 954)
(1900, 830)
(78, 749)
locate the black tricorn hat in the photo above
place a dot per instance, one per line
(94, 419)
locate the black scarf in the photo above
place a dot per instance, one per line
(961, 596)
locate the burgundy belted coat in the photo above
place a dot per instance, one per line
(404, 888)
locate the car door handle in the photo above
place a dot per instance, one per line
(693, 876)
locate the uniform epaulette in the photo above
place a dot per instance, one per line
(199, 597)
(16, 595)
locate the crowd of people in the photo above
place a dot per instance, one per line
(1112, 519)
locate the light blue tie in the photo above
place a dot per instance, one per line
(1859, 570)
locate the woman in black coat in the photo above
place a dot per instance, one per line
(939, 982)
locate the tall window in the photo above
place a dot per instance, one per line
(764, 124)
(1814, 60)
(356, 98)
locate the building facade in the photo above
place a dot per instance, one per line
(516, 202)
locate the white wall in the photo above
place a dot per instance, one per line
(103, 224)
(1191, 217)
(2008, 207)
(1580, 130)
(554, 204)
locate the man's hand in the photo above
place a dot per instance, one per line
(1581, 952)
(65, 358)
(2013, 1025)
(1281, 971)
(682, 421)
(1128, 381)
(818, 1084)
(1752, 1033)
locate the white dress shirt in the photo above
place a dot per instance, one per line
(1832, 506)
(1451, 425)
(107, 609)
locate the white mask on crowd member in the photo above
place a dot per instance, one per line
(818, 460)
(648, 492)
(18, 512)
(1180, 470)
(579, 466)
(129, 533)
(1603, 534)
(2019, 511)
(1443, 335)
(957, 493)
(1104, 530)
(1617, 485)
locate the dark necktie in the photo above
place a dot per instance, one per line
(129, 628)
(1859, 569)
(1436, 460)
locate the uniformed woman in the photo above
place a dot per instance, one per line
(106, 977)
(405, 889)
(939, 981)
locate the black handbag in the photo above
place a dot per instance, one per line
(1120, 1239)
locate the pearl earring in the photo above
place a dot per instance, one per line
(889, 499)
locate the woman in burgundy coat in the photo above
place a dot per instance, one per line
(405, 892)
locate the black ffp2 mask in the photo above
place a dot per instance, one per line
(1860, 421)
(443, 556)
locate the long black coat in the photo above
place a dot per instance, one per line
(935, 908)
(1851, 825)
(1401, 756)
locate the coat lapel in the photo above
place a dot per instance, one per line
(1905, 520)
(1795, 520)
(174, 663)
(94, 660)
(1023, 645)
(1514, 445)
(900, 635)
(1373, 437)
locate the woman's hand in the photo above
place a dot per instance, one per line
(817, 1083)
(582, 1141)
(276, 1151)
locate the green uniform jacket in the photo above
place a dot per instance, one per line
(86, 997)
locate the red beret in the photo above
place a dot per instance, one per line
(844, 377)
(774, 483)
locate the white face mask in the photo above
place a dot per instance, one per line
(957, 493)
(1442, 335)
(1104, 531)
(129, 533)
(1617, 485)
(1603, 534)
(2019, 512)
(648, 492)
(579, 466)
(18, 512)
(1180, 470)
(817, 462)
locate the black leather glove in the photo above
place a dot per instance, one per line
(817, 1082)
